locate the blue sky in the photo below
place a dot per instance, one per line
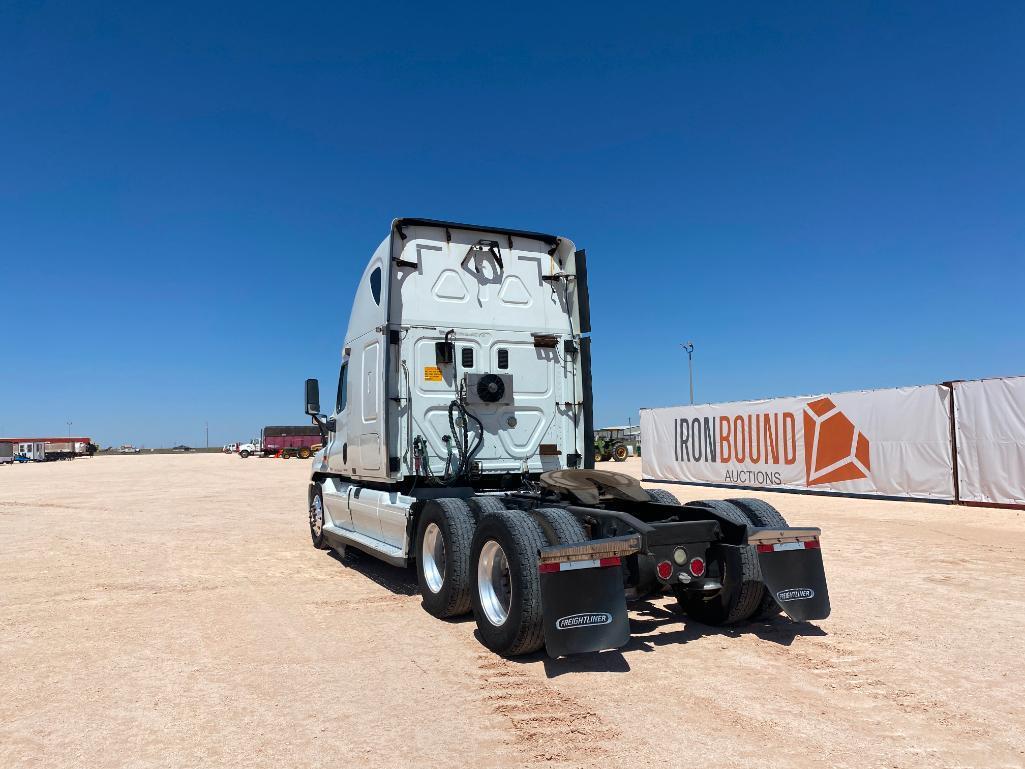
(822, 196)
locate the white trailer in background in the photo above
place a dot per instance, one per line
(28, 449)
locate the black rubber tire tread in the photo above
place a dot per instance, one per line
(244, 454)
(318, 542)
(560, 526)
(455, 520)
(481, 506)
(761, 513)
(620, 450)
(521, 538)
(663, 497)
(304, 453)
(741, 602)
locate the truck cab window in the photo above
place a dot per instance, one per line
(375, 285)
(342, 388)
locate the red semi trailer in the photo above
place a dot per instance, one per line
(288, 440)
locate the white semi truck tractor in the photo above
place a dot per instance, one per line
(460, 441)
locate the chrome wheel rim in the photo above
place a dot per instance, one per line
(317, 516)
(432, 554)
(494, 588)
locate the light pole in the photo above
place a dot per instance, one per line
(689, 347)
(69, 423)
(207, 426)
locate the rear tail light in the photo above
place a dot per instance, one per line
(665, 570)
(697, 567)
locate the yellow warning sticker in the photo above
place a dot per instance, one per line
(432, 374)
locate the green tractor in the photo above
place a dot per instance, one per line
(612, 443)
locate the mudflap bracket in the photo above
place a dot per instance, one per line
(792, 571)
(583, 602)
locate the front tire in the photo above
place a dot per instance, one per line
(505, 583)
(317, 517)
(443, 538)
(244, 454)
(304, 453)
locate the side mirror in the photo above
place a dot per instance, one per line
(312, 397)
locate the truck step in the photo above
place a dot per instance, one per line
(338, 537)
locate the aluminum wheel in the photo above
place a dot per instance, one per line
(433, 554)
(493, 584)
(316, 515)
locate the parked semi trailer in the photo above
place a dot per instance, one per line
(69, 449)
(460, 440)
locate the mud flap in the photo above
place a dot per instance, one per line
(791, 564)
(584, 607)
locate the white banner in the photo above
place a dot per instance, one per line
(888, 442)
(990, 418)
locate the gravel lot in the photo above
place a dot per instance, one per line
(169, 611)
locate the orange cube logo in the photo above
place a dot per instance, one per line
(834, 449)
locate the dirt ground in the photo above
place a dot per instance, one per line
(170, 611)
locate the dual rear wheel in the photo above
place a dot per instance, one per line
(480, 557)
(743, 596)
(477, 556)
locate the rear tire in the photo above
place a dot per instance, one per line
(445, 528)
(663, 497)
(620, 453)
(304, 453)
(761, 513)
(505, 585)
(481, 506)
(560, 526)
(742, 588)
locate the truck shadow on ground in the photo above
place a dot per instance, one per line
(395, 579)
(646, 630)
(652, 626)
(392, 578)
